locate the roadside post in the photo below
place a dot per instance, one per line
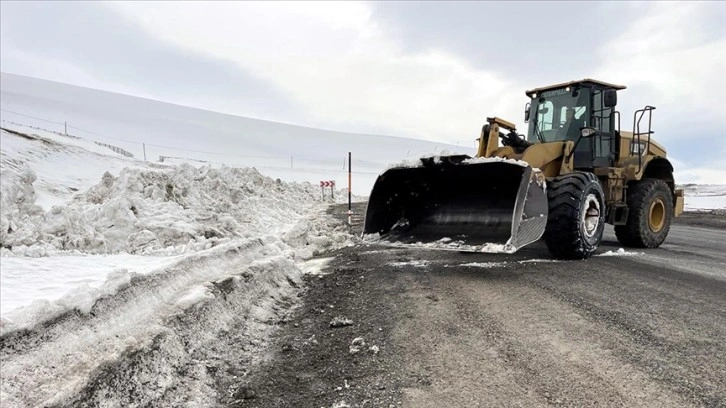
(350, 211)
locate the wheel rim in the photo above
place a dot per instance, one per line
(591, 215)
(656, 215)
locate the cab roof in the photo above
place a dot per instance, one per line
(586, 81)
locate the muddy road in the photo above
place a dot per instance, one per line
(447, 329)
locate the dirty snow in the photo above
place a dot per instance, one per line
(539, 261)
(620, 252)
(340, 321)
(315, 266)
(415, 263)
(445, 243)
(485, 265)
(356, 345)
(103, 255)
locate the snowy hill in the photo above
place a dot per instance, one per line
(704, 197)
(150, 128)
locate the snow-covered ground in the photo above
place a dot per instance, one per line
(700, 197)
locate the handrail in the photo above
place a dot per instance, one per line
(637, 133)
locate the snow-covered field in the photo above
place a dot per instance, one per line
(704, 197)
(152, 128)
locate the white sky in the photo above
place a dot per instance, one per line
(431, 70)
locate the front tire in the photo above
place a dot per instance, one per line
(576, 216)
(650, 213)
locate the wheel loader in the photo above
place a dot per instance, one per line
(572, 172)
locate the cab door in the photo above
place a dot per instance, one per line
(601, 149)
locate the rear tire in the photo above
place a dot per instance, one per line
(649, 216)
(576, 218)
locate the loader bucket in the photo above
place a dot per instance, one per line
(450, 202)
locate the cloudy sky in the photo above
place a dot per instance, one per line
(430, 70)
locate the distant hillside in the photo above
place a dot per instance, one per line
(155, 129)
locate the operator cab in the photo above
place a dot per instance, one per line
(560, 112)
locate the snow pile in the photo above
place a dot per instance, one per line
(414, 163)
(477, 160)
(156, 212)
(406, 164)
(191, 316)
(492, 248)
(436, 158)
(63, 165)
(620, 252)
(177, 267)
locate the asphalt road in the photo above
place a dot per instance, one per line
(644, 329)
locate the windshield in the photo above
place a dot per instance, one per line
(558, 115)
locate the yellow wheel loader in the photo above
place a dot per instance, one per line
(573, 172)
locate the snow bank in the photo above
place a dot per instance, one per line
(153, 212)
(24, 280)
(190, 316)
(143, 220)
(205, 250)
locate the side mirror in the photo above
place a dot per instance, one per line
(610, 97)
(526, 112)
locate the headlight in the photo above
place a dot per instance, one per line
(587, 132)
